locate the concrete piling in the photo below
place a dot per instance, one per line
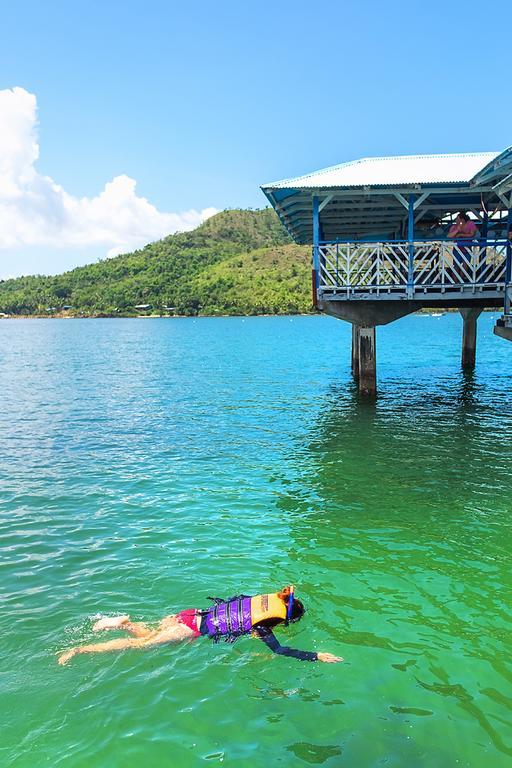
(367, 361)
(469, 318)
(355, 351)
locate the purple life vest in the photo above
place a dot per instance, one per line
(229, 619)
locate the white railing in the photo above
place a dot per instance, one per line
(436, 266)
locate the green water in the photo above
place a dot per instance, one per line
(145, 465)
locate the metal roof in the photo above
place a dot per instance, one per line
(365, 198)
(393, 171)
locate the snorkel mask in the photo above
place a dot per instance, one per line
(289, 606)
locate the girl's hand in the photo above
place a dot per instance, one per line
(328, 658)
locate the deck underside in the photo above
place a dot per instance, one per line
(371, 311)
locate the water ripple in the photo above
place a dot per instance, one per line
(145, 466)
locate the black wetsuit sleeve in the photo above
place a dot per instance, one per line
(271, 641)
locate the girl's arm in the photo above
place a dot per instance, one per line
(271, 641)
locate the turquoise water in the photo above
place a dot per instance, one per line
(147, 464)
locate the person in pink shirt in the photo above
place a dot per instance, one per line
(462, 231)
(464, 228)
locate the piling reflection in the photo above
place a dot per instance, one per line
(449, 441)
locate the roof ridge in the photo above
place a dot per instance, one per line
(395, 157)
(368, 160)
(425, 156)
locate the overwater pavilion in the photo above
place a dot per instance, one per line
(379, 232)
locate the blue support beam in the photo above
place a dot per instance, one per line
(410, 238)
(508, 263)
(316, 242)
(316, 222)
(484, 231)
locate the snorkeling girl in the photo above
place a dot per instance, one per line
(224, 620)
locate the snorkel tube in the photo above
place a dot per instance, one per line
(289, 607)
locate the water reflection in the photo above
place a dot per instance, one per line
(450, 441)
(399, 520)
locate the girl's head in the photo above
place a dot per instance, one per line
(463, 217)
(298, 609)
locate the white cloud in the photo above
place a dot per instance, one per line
(36, 211)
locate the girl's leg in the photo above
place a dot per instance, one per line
(112, 645)
(135, 628)
(110, 622)
(172, 634)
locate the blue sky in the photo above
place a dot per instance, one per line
(201, 103)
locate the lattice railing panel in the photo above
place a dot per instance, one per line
(436, 266)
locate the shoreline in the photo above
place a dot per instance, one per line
(100, 316)
(151, 317)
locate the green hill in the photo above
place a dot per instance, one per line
(237, 262)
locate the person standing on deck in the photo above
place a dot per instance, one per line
(463, 231)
